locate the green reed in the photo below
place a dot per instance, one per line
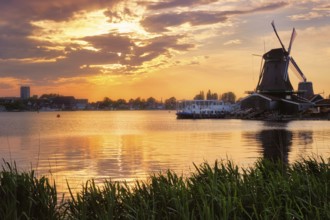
(23, 196)
(269, 190)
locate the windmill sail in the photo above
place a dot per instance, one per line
(288, 58)
(278, 37)
(293, 36)
(296, 69)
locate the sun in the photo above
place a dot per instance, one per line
(125, 27)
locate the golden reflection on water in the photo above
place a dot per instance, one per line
(131, 145)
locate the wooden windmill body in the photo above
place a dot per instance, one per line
(274, 90)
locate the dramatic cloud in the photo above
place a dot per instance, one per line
(305, 17)
(161, 22)
(117, 16)
(81, 62)
(111, 43)
(318, 11)
(16, 30)
(178, 3)
(156, 47)
(56, 42)
(32, 10)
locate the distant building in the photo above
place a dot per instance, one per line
(25, 92)
(81, 104)
(64, 102)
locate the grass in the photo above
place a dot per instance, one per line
(269, 190)
(23, 196)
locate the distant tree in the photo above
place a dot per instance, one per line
(228, 97)
(121, 104)
(200, 96)
(151, 103)
(131, 101)
(34, 97)
(106, 103)
(170, 103)
(16, 105)
(49, 96)
(151, 100)
(211, 96)
(138, 103)
(107, 100)
(208, 95)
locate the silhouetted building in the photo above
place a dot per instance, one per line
(274, 91)
(25, 92)
(81, 104)
(64, 102)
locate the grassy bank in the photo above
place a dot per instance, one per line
(218, 191)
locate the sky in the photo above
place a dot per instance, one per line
(155, 48)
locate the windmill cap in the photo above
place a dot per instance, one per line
(277, 53)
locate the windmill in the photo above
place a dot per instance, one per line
(274, 77)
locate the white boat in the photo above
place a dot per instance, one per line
(194, 109)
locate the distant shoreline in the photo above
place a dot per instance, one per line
(280, 118)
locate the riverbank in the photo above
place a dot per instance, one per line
(250, 114)
(221, 190)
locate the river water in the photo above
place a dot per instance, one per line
(130, 145)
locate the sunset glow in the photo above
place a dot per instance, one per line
(129, 49)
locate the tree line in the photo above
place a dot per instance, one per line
(49, 100)
(228, 97)
(152, 103)
(137, 103)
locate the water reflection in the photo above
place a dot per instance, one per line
(275, 140)
(131, 145)
(276, 144)
(305, 138)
